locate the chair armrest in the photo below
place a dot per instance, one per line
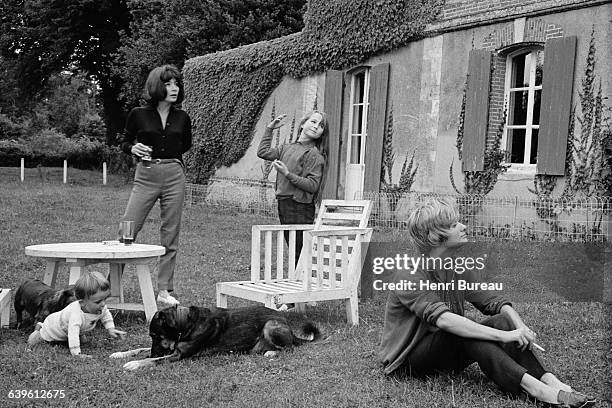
(339, 231)
(279, 227)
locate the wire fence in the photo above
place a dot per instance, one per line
(587, 219)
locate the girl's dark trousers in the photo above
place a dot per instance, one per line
(504, 363)
(293, 212)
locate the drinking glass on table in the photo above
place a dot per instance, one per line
(127, 232)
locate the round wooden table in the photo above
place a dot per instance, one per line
(80, 254)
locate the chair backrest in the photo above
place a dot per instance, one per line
(333, 256)
(268, 246)
(343, 213)
(339, 251)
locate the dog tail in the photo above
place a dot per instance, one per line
(311, 333)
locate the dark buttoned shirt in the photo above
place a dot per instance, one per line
(144, 126)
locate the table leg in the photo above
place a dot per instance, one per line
(75, 273)
(146, 289)
(115, 276)
(51, 273)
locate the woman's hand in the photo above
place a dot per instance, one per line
(524, 336)
(276, 123)
(280, 167)
(141, 150)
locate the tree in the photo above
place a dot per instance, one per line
(8, 84)
(41, 38)
(118, 41)
(171, 31)
(70, 103)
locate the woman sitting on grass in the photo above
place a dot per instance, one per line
(425, 331)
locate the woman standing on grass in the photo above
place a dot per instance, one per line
(425, 331)
(163, 132)
(300, 170)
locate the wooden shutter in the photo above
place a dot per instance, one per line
(476, 110)
(332, 101)
(556, 105)
(377, 113)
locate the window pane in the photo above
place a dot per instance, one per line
(516, 145)
(518, 108)
(355, 149)
(536, 107)
(539, 71)
(534, 146)
(520, 75)
(359, 87)
(357, 119)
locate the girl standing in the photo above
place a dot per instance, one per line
(300, 169)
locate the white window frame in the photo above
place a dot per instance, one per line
(364, 119)
(524, 167)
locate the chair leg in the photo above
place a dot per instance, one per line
(352, 310)
(221, 300)
(5, 307)
(300, 307)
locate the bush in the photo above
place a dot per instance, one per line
(50, 148)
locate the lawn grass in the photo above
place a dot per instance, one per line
(341, 371)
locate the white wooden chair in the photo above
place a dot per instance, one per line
(331, 256)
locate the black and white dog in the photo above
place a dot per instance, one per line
(181, 332)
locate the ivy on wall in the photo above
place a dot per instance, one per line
(226, 91)
(586, 172)
(481, 183)
(478, 184)
(588, 163)
(395, 191)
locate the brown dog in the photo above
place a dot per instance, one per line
(40, 300)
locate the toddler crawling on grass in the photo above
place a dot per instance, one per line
(91, 290)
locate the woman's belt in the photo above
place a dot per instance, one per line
(164, 161)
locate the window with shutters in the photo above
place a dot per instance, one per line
(538, 97)
(358, 115)
(523, 95)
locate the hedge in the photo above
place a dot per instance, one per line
(82, 153)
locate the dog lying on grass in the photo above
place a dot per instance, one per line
(40, 300)
(181, 332)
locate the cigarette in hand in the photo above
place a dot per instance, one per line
(538, 346)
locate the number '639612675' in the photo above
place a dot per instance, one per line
(36, 394)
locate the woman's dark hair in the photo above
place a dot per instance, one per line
(155, 87)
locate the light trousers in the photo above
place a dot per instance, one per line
(164, 182)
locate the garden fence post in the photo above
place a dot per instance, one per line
(104, 173)
(65, 171)
(514, 215)
(22, 173)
